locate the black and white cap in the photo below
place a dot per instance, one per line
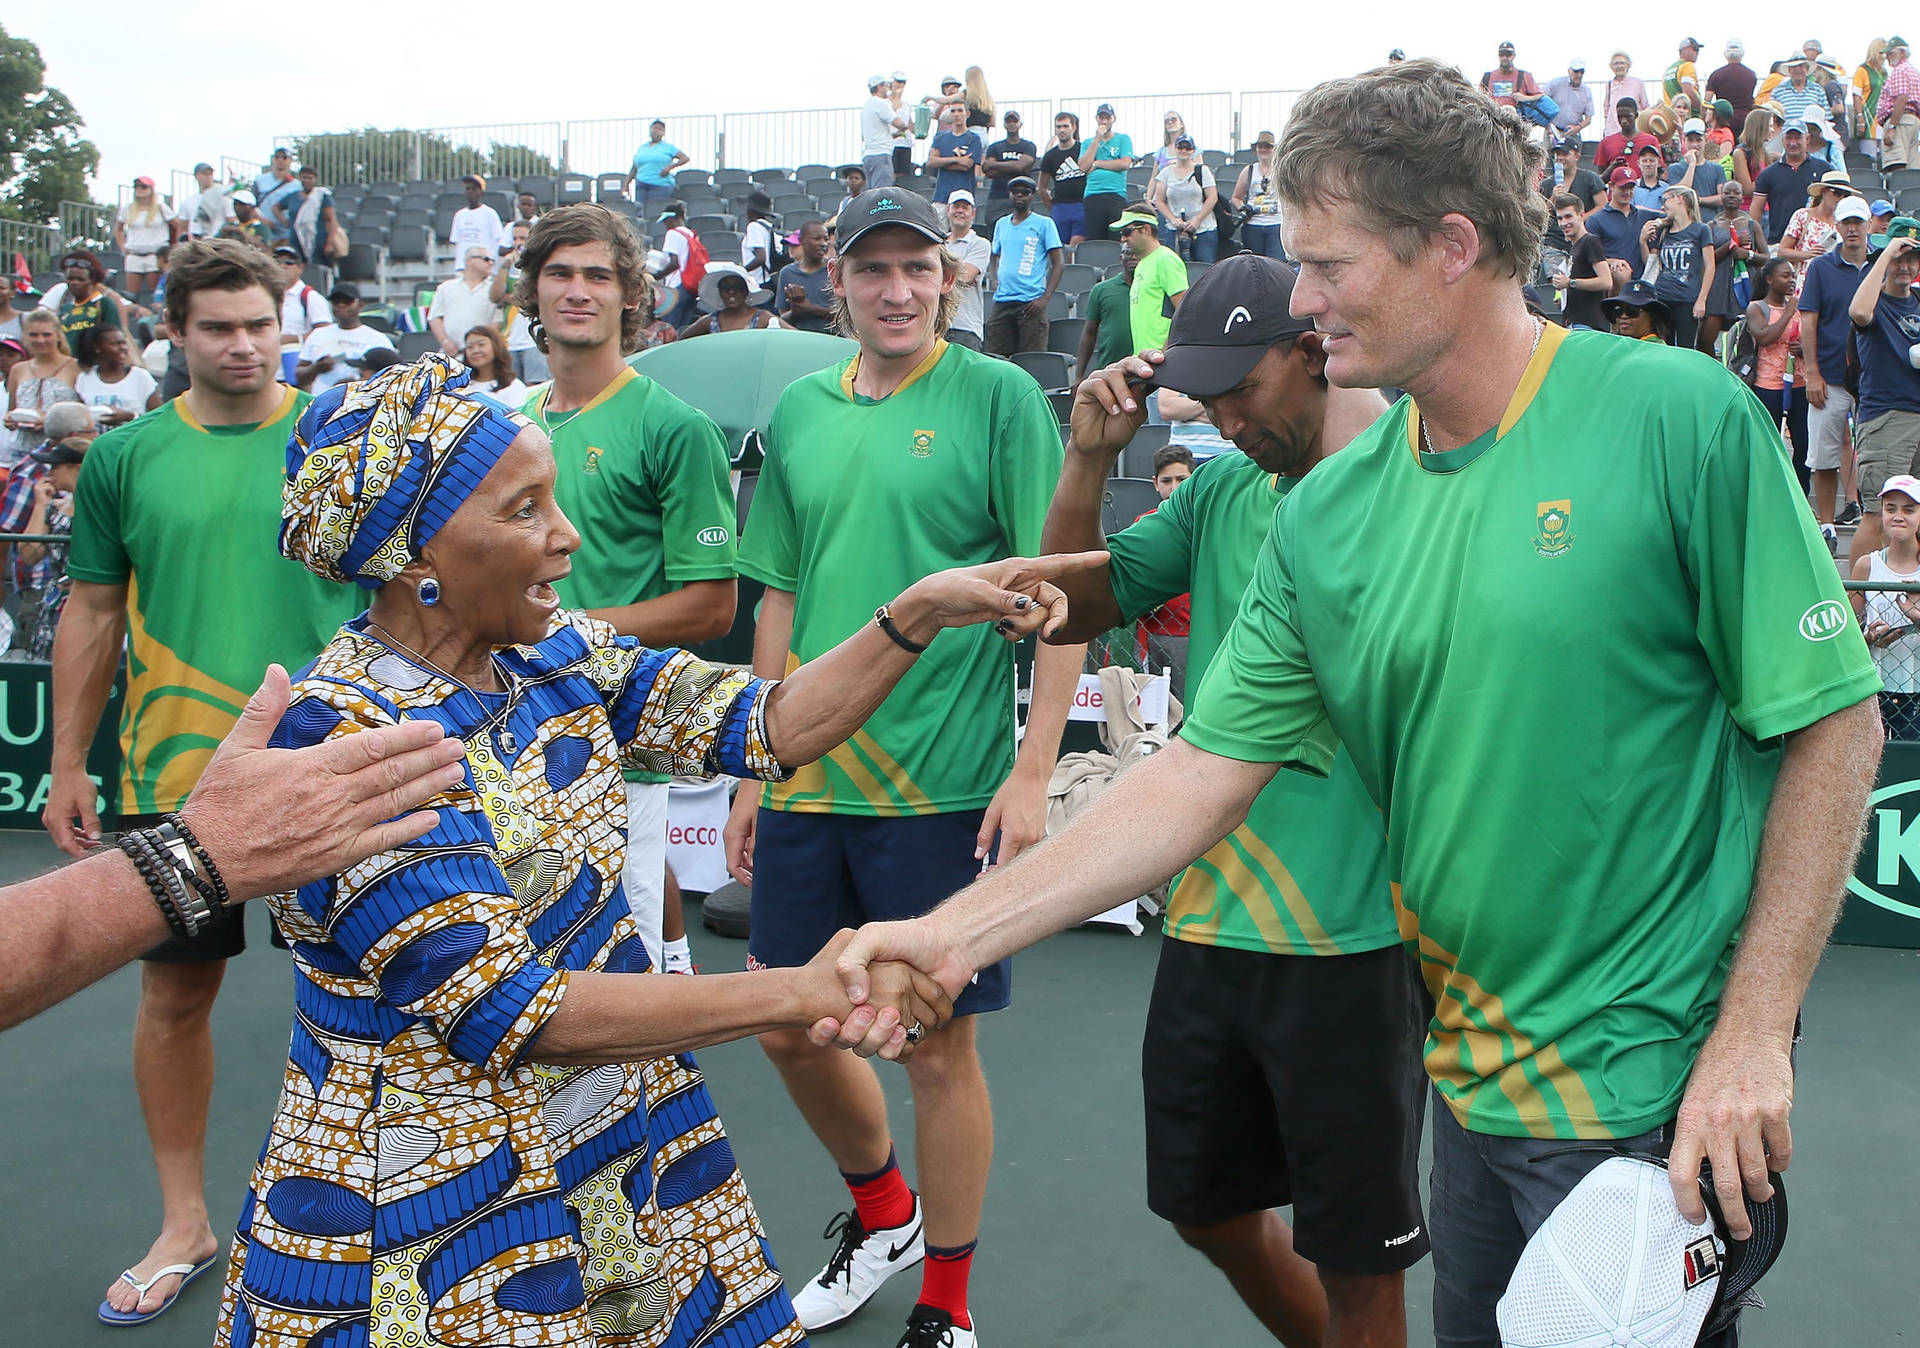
(881, 207)
(1229, 318)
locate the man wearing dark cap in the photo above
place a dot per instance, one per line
(1281, 1060)
(1507, 84)
(1010, 157)
(205, 209)
(335, 353)
(1683, 76)
(477, 222)
(1105, 157)
(914, 456)
(1618, 223)
(1027, 262)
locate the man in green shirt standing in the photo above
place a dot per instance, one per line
(175, 517)
(1281, 1060)
(1108, 334)
(1603, 684)
(914, 456)
(644, 478)
(1159, 281)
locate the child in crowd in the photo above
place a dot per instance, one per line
(1888, 617)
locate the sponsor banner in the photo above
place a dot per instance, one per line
(696, 813)
(1089, 703)
(1883, 897)
(26, 745)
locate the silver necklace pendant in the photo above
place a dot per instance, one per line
(508, 743)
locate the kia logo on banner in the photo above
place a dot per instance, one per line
(1888, 874)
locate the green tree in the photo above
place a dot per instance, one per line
(44, 159)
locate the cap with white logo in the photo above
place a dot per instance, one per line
(884, 207)
(1229, 318)
(1905, 483)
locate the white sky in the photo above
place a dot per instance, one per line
(163, 87)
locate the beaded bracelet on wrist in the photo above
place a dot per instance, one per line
(147, 860)
(220, 896)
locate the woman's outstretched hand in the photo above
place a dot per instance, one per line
(1015, 595)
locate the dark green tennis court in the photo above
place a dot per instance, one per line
(1068, 1255)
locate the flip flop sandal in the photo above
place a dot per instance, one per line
(186, 1273)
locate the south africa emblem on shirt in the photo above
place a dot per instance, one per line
(922, 444)
(592, 464)
(1555, 536)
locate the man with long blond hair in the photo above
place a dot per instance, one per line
(643, 476)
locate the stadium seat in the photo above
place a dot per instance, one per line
(422, 201)
(1246, 156)
(1061, 305)
(115, 262)
(1868, 180)
(429, 186)
(1195, 270)
(409, 242)
(318, 277)
(1077, 278)
(1062, 405)
(609, 188)
(375, 235)
(362, 262)
(806, 171)
(1214, 159)
(1053, 370)
(502, 203)
(1101, 253)
(767, 176)
(378, 322)
(1136, 460)
(572, 187)
(792, 220)
(541, 186)
(1907, 202)
(1063, 335)
(387, 189)
(443, 222)
(413, 345)
(688, 177)
(723, 245)
(1900, 180)
(723, 176)
(703, 224)
(1126, 500)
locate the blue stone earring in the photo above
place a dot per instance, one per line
(429, 592)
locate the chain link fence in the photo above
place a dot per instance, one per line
(1889, 616)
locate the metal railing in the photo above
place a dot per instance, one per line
(1217, 120)
(1893, 639)
(39, 244)
(607, 145)
(86, 224)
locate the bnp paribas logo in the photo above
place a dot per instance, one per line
(1888, 873)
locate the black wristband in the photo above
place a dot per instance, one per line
(883, 619)
(146, 859)
(220, 896)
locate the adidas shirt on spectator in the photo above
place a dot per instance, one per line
(1307, 873)
(1062, 164)
(644, 478)
(1024, 248)
(861, 498)
(210, 603)
(1565, 687)
(343, 344)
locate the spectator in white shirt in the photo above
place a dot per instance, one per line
(302, 309)
(879, 119)
(477, 222)
(114, 389)
(465, 302)
(975, 255)
(756, 241)
(335, 354)
(206, 209)
(140, 230)
(526, 211)
(486, 355)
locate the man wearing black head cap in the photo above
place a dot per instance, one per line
(1259, 994)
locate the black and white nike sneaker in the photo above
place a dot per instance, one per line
(861, 1262)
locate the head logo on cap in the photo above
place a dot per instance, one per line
(1238, 314)
(884, 204)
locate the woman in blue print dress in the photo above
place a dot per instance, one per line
(490, 1130)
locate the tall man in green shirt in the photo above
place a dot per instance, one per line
(1280, 1061)
(644, 478)
(914, 456)
(1604, 686)
(175, 519)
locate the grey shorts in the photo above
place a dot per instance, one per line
(1888, 446)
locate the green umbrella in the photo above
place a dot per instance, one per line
(737, 377)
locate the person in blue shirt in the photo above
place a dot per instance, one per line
(1618, 223)
(1105, 157)
(1885, 318)
(1698, 169)
(1027, 262)
(651, 177)
(1685, 249)
(1825, 295)
(957, 153)
(1650, 188)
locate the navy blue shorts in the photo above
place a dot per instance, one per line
(816, 873)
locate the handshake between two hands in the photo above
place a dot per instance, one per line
(883, 987)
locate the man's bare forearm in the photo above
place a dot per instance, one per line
(700, 610)
(1169, 809)
(86, 652)
(1813, 831)
(71, 928)
(1073, 525)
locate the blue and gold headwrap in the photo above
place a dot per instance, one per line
(375, 468)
